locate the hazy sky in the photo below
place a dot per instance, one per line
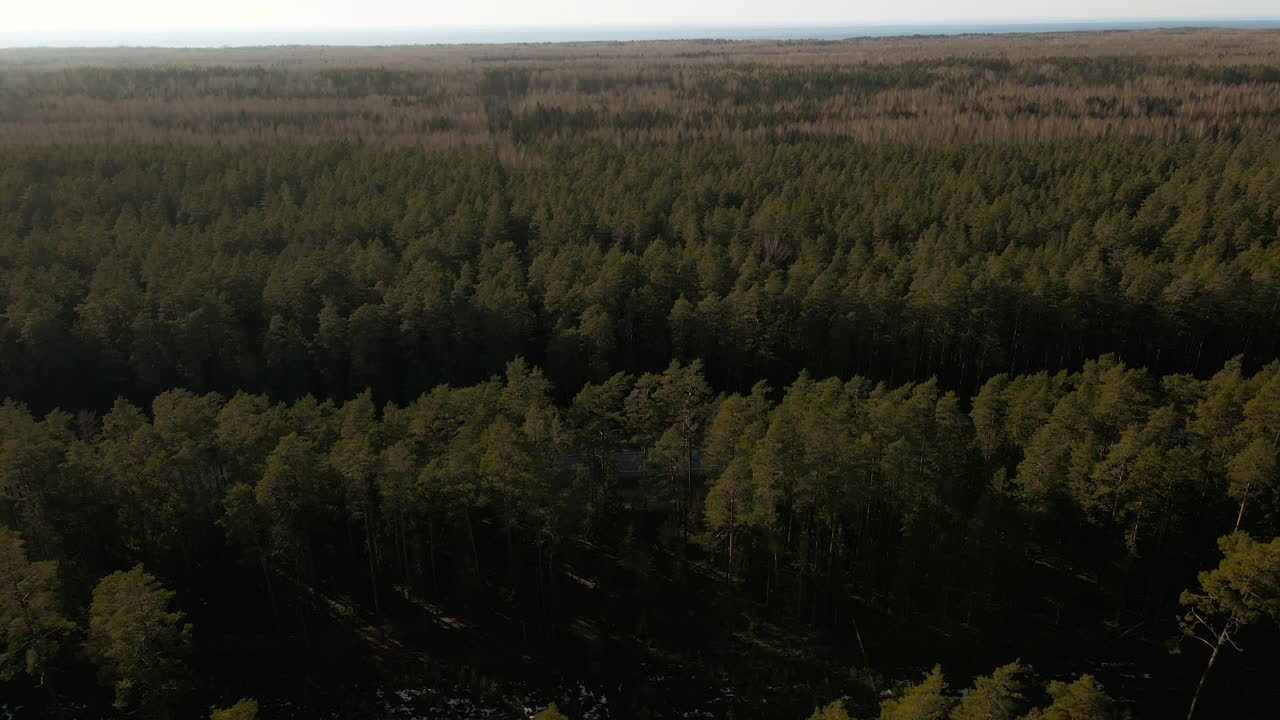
(18, 16)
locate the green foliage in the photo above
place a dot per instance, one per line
(834, 711)
(731, 504)
(550, 712)
(1013, 379)
(1243, 589)
(1079, 700)
(295, 494)
(922, 701)
(136, 641)
(32, 624)
(997, 696)
(242, 710)
(875, 262)
(489, 484)
(1252, 472)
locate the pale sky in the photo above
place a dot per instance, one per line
(45, 16)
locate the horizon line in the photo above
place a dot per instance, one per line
(236, 37)
(795, 24)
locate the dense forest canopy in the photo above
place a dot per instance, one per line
(643, 379)
(328, 270)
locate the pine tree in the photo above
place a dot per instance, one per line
(137, 642)
(997, 696)
(32, 624)
(922, 701)
(1243, 589)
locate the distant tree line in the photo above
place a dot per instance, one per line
(1160, 87)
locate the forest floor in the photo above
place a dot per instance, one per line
(706, 654)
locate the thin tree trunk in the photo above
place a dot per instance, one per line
(1213, 657)
(866, 661)
(471, 538)
(271, 591)
(406, 570)
(431, 550)
(373, 569)
(304, 604)
(688, 485)
(729, 569)
(831, 554)
(351, 547)
(542, 597)
(1240, 515)
(769, 575)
